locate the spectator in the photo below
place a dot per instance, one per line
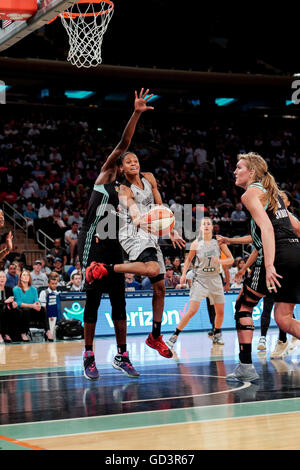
(45, 269)
(38, 278)
(130, 283)
(75, 217)
(146, 284)
(71, 239)
(223, 202)
(26, 297)
(46, 210)
(76, 283)
(177, 266)
(9, 313)
(30, 216)
(59, 269)
(58, 224)
(171, 279)
(200, 155)
(49, 298)
(12, 278)
(58, 251)
(27, 191)
(238, 215)
(75, 268)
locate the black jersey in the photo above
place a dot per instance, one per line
(287, 255)
(98, 238)
(283, 230)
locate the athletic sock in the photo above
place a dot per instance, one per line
(121, 348)
(282, 336)
(217, 331)
(263, 331)
(156, 329)
(176, 332)
(245, 353)
(89, 347)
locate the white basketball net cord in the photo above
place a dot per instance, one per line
(86, 32)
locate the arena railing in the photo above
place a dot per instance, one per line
(17, 220)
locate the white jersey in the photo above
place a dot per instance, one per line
(206, 280)
(204, 264)
(134, 240)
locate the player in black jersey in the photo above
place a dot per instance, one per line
(98, 243)
(274, 233)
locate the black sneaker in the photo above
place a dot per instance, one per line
(89, 366)
(122, 362)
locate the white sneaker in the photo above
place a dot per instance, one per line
(280, 350)
(243, 373)
(293, 344)
(217, 339)
(262, 344)
(171, 341)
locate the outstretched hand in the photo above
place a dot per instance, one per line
(177, 240)
(140, 103)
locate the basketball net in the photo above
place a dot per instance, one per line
(86, 22)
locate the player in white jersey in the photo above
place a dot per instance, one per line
(207, 281)
(137, 195)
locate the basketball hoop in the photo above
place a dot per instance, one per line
(86, 22)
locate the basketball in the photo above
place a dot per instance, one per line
(161, 220)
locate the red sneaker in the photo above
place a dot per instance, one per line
(159, 345)
(95, 271)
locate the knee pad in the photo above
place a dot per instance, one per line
(238, 324)
(244, 299)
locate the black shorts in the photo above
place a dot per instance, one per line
(150, 254)
(114, 286)
(287, 264)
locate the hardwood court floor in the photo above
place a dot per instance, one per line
(181, 403)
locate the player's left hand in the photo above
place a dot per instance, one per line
(177, 240)
(271, 279)
(140, 103)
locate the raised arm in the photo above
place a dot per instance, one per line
(109, 169)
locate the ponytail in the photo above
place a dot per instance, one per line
(272, 189)
(259, 165)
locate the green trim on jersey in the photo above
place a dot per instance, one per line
(255, 236)
(100, 211)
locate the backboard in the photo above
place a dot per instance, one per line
(12, 32)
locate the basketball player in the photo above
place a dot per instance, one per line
(277, 267)
(93, 248)
(206, 281)
(137, 195)
(283, 346)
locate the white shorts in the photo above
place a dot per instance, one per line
(208, 286)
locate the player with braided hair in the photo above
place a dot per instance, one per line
(95, 249)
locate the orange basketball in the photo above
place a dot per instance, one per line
(161, 220)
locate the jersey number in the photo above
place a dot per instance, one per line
(208, 268)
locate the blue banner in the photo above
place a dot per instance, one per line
(139, 312)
